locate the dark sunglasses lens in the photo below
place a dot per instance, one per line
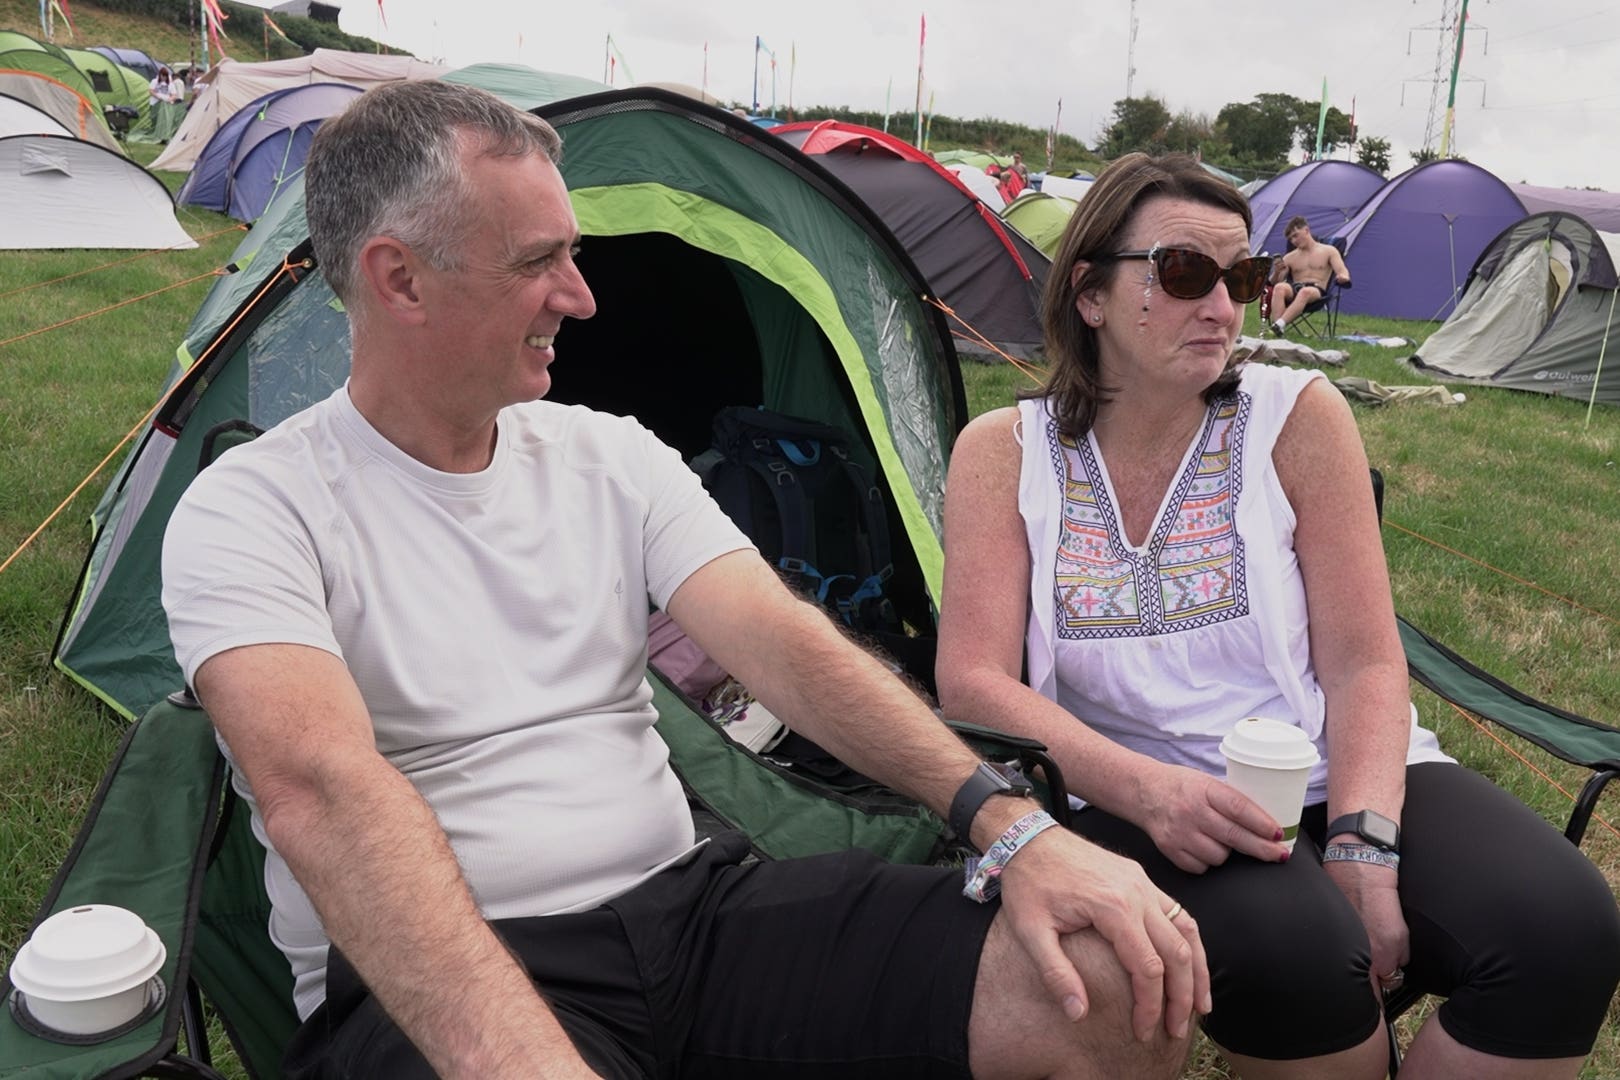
(1186, 275)
(1246, 280)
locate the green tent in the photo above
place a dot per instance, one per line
(47, 60)
(114, 83)
(976, 158)
(1041, 218)
(728, 269)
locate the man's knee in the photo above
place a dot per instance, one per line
(1018, 1029)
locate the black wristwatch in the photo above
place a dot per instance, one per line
(1371, 826)
(987, 780)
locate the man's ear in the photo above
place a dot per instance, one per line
(391, 274)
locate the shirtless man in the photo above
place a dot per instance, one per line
(1306, 266)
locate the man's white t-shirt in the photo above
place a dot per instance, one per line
(495, 623)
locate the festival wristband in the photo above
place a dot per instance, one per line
(1361, 853)
(984, 872)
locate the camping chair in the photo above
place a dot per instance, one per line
(1574, 739)
(167, 838)
(1327, 304)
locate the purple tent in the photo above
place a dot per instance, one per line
(1599, 209)
(1410, 247)
(261, 147)
(134, 59)
(1325, 193)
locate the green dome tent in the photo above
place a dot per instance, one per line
(114, 83)
(1041, 218)
(43, 59)
(728, 269)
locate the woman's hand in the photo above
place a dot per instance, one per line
(1372, 891)
(1197, 821)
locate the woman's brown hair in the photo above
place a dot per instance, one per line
(1074, 388)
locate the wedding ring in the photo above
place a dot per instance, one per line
(1173, 912)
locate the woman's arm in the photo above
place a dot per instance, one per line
(1194, 819)
(1355, 647)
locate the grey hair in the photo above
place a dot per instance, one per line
(390, 165)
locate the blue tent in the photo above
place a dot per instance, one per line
(134, 59)
(1409, 248)
(1325, 193)
(260, 148)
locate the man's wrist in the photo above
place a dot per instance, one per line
(983, 874)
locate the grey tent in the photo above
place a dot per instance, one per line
(1538, 313)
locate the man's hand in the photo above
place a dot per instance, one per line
(1197, 821)
(1059, 883)
(1372, 891)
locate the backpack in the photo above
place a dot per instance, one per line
(815, 513)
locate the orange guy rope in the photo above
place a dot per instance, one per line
(286, 268)
(116, 262)
(110, 307)
(1504, 573)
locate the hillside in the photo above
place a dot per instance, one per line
(159, 28)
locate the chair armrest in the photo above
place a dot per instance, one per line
(1031, 756)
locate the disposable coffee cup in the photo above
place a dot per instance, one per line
(1271, 762)
(88, 970)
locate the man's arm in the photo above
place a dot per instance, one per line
(793, 659)
(1336, 264)
(370, 854)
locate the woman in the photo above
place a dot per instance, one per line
(163, 88)
(1152, 530)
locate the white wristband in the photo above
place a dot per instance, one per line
(984, 873)
(1361, 853)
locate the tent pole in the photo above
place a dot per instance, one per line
(1597, 377)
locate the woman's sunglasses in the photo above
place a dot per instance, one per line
(1189, 275)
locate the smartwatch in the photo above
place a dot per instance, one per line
(1371, 826)
(987, 780)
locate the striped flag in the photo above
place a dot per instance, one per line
(271, 23)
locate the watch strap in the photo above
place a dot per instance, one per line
(984, 782)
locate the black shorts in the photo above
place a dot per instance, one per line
(838, 966)
(1508, 920)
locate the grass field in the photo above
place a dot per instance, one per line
(1498, 530)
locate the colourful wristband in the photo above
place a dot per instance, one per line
(1362, 853)
(984, 872)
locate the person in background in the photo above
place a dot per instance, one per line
(417, 614)
(1302, 275)
(163, 88)
(1172, 542)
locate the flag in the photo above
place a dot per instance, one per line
(1352, 120)
(922, 39)
(381, 14)
(928, 128)
(44, 19)
(215, 16)
(61, 9)
(1051, 136)
(271, 23)
(628, 74)
(705, 87)
(887, 94)
(1321, 120)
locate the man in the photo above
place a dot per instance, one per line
(416, 613)
(1307, 267)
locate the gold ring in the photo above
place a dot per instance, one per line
(1173, 912)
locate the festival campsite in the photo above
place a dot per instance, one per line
(731, 266)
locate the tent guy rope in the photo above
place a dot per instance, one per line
(117, 262)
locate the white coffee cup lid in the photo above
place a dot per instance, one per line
(1269, 744)
(87, 952)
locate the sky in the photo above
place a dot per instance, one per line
(1538, 100)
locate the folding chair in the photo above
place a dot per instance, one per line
(1327, 305)
(1574, 739)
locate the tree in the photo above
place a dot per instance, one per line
(1424, 155)
(1139, 124)
(1335, 129)
(1260, 133)
(1188, 133)
(1373, 152)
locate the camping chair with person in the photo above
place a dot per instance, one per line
(1318, 266)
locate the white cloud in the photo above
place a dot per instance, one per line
(1548, 75)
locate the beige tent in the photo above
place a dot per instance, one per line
(76, 114)
(230, 85)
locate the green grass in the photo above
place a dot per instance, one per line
(1517, 481)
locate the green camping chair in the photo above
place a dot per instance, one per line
(167, 838)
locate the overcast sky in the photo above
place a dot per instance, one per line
(1538, 100)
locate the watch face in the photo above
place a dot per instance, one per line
(1378, 829)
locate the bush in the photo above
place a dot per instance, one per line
(308, 34)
